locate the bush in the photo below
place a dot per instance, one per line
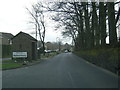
(6, 51)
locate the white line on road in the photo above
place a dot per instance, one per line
(71, 79)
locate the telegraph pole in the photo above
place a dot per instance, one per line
(58, 39)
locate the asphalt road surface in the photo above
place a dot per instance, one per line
(65, 70)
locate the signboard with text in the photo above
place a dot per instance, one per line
(19, 54)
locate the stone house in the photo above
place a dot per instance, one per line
(23, 42)
(5, 44)
(5, 38)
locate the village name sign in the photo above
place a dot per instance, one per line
(19, 54)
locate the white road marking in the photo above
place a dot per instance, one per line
(71, 79)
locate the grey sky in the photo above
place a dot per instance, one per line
(15, 18)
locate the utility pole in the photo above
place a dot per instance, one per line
(58, 39)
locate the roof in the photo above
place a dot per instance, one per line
(6, 35)
(26, 35)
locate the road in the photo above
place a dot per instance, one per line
(65, 70)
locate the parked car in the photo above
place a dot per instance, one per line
(66, 51)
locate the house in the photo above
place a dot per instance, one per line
(51, 46)
(5, 38)
(5, 44)
(23, 42)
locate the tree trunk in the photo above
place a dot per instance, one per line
(111, 23)
(87, 26)
(102, 23)
(80, 37)
(92, 32)
(96, 26)
(118, 15)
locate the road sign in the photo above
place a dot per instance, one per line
(19, 54)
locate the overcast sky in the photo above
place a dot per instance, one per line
(15, 18)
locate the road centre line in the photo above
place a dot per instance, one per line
(71, 79)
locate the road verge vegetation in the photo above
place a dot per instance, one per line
(9, 64)
(107, 58)
(17, 63)
(48, 55)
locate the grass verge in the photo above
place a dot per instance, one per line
(9, 66)
(107, 58)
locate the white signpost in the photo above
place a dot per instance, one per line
(19, 54)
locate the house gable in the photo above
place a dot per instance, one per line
(25, 35)
(5, 38)
(23, 42)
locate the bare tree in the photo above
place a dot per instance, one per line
(38, 17)
(102, 23)
(86, 23)
(118, 15)
(112, 24)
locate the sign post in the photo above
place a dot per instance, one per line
(20, 55)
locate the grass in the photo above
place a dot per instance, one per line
(8, 66)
